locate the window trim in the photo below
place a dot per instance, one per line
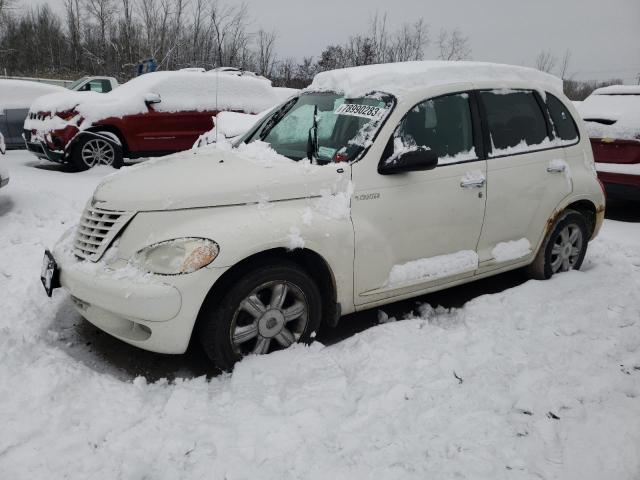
(545, 113)
(476, 129)
(575, 125)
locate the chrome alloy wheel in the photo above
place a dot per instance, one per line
(275, 311)
(566, 249)
(96, 152)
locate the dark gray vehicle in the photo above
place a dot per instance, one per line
(15, 99)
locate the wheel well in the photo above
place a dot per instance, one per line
(588, 209)
(115, 131)
(311, 262)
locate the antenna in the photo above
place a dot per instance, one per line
(217, 111)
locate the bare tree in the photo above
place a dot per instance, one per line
(545, 61)
(453, 45)
(564, 65)
(266, 52)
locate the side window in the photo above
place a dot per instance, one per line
(443, 125)
(515, 121)
(564, 127)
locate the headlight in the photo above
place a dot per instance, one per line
(175, 257)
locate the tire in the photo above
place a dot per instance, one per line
(563, 249)
(93, 150)
(251, 317)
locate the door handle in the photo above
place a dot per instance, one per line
(475, 183)
(556, 167)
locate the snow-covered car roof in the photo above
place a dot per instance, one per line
(618, 90)
(612, 115)
(179, 91)
(399, 78)
(21, 93)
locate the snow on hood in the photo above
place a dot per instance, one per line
(179, 91)
(252, 173)
(396, 78)
(622, 109)
(21, 93)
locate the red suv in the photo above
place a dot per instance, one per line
(612, 115)
(154, 114)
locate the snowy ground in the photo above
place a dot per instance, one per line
(539, 381)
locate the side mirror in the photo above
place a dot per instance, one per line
(151, 98)
(409, 161)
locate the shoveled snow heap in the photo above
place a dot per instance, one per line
(539, 381)
(397, 78)
(618, 105)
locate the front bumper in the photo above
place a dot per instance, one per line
(152, 312)
(41, 150)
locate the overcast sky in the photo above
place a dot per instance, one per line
(603, 36)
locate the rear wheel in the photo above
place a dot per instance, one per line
(268, 309)
(102, 149)
(564, 247)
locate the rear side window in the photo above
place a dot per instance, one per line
(563, 124)
(443, 125)
(515, 119)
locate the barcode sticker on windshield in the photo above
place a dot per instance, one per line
(356, 110)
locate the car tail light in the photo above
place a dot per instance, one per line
(67, 114)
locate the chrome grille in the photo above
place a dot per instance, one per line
(96, 231)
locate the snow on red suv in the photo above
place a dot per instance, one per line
(612, 116)
(151, 115)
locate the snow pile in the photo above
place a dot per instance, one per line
(228, 125)
(621, 111)
(627, 169)
(523, 146)
(539, 381)
(179, 91)
(336, 205)
(21, 93)
(398, 78)
(295, 240)
(432, 268)
(513, 250)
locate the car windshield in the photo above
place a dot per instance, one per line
(76, 83)
(324, 127)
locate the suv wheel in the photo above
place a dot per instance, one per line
(564, 247)
(92, 151)
(267, 309)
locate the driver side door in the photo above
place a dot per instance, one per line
(420, 229)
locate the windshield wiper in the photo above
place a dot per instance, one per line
(312, 141)
(275, 118)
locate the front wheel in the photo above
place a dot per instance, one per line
(268, 309)
(563, 249)
(96, 150)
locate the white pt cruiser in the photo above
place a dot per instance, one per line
(375, 184)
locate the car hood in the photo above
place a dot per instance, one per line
(214, 177)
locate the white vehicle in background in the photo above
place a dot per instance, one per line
(369, 187)
(94, 84)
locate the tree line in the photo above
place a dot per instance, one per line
(110, 37)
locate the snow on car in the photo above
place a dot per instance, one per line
(612, 116)
(541, 380)
(151, 115)
(312, 214)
